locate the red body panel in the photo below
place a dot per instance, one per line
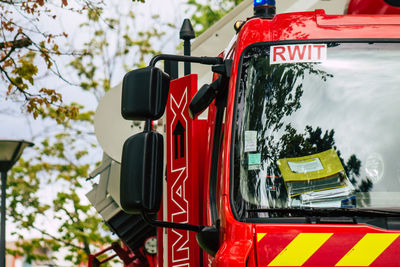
(238, 239)
(326, 245)
(371, 7)
(184, 174)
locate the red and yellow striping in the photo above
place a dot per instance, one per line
(328, 249)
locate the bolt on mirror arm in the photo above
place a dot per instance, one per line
(201, 60)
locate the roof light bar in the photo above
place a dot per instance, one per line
(264, 8)
(264, 3)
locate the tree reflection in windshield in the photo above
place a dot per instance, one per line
(267, 98)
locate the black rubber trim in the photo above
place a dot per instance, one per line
(220, 103)
(395, 3)
(239, 74)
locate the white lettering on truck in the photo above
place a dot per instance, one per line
(281, 54)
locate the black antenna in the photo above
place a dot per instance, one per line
(186, 33)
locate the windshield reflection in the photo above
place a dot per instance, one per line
(318, 134)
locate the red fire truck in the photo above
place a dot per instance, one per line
(297, 163)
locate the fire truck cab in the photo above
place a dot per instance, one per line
(297, 162)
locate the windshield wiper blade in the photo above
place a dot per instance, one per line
(374, 212)
(299, 212)
(294, 211)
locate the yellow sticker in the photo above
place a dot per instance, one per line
(316, 166)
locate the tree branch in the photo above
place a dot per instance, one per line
(20, 43)
(56, 238)
(68, 214)
(24, 42)
(26, 94)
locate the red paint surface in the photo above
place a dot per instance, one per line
(183, 185)
(334, 249)
(390, 257)
(371, 7)
(344, 238)
(271, 245)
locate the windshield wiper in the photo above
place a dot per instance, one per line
(329, 212)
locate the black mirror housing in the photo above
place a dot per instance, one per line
(203, 98)
(144, 94)
(142, 173)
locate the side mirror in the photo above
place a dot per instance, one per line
(144, 94)
(203, 98)
(142, 173)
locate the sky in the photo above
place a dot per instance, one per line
(18, 125)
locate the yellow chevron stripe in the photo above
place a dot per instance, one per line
(260, 236)
(300, 249)
(367, 249)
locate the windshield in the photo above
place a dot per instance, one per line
(317, 126)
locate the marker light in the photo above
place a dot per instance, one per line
(264, 3)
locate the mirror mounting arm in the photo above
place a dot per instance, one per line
(148, 126)
(201, 60)
(181, 226)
